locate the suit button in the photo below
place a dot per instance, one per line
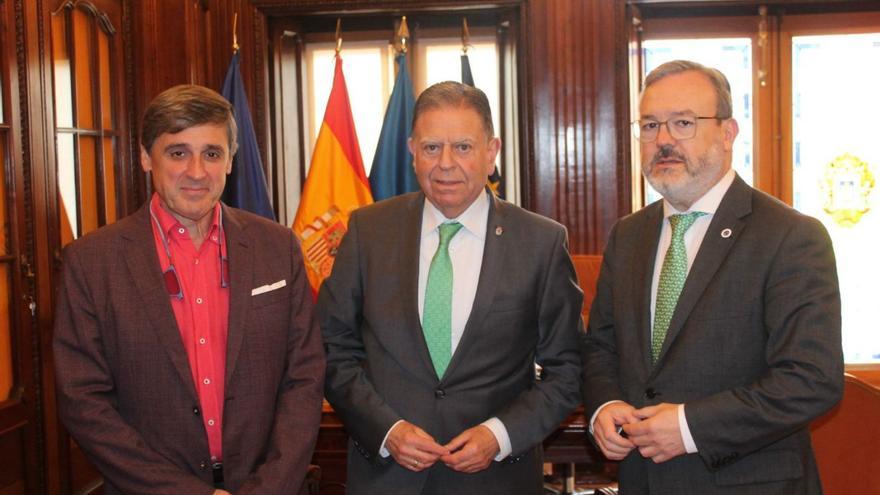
(196, 411)
(439, 393)
(204, 464)
(650, 393)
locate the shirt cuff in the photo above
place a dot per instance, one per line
(382, 450)
(689, 446)
(500, 431)
(593, 417)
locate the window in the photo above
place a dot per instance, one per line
(85, 62)
(835, 159)
(304, 72)
(805, 97)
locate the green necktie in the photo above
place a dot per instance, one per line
(437, 314)
(672, 277)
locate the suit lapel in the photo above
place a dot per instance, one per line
(241, 270)
(144, 267)
(409, 282)
(490, 274)
(722, 234)
(643, 263)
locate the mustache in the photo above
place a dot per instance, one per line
(666, 152)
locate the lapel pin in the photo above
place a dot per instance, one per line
(726, 233)
(499, 230)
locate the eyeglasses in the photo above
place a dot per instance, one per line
(170, 277)
(685, 127)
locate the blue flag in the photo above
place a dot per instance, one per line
(246, 185)
(466, 76)
(392, 171)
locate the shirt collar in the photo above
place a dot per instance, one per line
(709, 202)
(474, 219)
(170, 224)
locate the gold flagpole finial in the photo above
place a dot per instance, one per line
(234, 34)
(465, 35)
(338, 35)
(402, 39)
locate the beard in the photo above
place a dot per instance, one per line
(685, 184)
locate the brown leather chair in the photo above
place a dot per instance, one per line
(845, 441)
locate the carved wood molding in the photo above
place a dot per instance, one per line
(282, 7)
(103, 19)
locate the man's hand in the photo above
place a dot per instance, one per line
(658, 435)
(412, 447)
(472, 450)
(221, 492)
(610, 417)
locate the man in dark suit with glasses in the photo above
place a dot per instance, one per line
(187, 356)
(714, 337)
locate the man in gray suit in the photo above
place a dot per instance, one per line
(714, 337)
(439, 305)
(187, 357)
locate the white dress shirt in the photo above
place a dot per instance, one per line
(466, 253)
(693, 239)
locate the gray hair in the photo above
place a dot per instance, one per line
(724, 102)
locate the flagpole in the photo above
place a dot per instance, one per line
(402, 37)
(465, 35)
(234, 33)
(338, 35)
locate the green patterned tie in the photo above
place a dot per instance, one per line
(672, 277)
(437, 314)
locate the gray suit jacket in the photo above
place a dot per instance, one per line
(125, 389)
(527, 309)
(753, 349)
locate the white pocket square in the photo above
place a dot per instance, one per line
(269, 287)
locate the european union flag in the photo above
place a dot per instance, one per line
(246, 185)
(392, 171)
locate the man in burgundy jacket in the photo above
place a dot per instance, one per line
(187, 357)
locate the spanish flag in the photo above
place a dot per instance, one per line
(336, 185)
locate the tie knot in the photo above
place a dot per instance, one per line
(448, 231)
(682, 221)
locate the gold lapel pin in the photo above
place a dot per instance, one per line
(499, 230)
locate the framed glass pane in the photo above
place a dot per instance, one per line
(5, 332)
(104, 71)
(83, 30)
(62, 71)
(4, 227)
(109, 181)
(67, 187)
(835, 166)
(88, 183)
(369, 76)
(733, 57)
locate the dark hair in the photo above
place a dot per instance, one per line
(185, 106)
(455, 94)
(724, 102)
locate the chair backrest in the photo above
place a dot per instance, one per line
(587, 267)
(845, 441)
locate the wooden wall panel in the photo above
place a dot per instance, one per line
(577, 86)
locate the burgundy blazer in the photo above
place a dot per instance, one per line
(124, 384)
